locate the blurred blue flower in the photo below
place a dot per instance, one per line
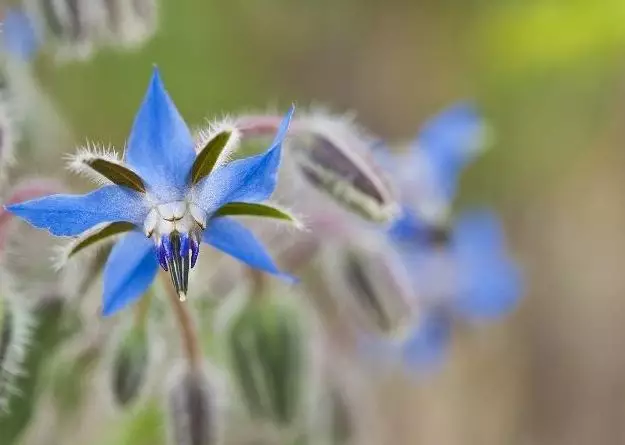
(167, 200)
(428, 172)
(468, 278)
(449, 142)
(460, 272)
(19, 37)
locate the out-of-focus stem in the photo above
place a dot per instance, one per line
(188, 332)
(142, 308)
(258, 281)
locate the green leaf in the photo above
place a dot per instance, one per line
(99, 234)
(207, 158)
(253, 209)
(116, 173)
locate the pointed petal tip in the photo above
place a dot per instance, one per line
(283, 128)
(107, 311)
(288, 278)
(156, 83)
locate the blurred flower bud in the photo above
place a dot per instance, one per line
(75, 27)
(20, 397)
(16, 325)
(370, 284)
(69, 372)
(334, 156)
(266, 351)
(193, 417)
(129, 23)
(130, 365)
(69, 24)
(7, 137)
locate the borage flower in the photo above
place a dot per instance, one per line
(168, 198)
(428, 172)
(468, 277)
(460, 270)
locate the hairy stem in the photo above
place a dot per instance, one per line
(188, 332)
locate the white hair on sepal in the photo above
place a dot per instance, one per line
(79, 162)
(299, 219)
(61, 258)
(225, 124)
(338, 128)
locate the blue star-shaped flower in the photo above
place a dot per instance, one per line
(167, 199)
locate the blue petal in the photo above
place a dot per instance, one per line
(422, 352)
(160, 146)
(428, 343)
(129, 271)
(68, 215)
(489, 282)
(252, 179)
(450, 141)
(477, 231)
(487, 289)
(18, 33)
(233, 238)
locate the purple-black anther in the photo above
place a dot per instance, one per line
(167, 248)
(195, 251)
(162, 260)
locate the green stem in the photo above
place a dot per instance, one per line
(188, 332)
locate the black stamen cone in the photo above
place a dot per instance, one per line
(178, 264)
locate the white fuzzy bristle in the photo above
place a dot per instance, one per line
(78, 162)
(203, 136)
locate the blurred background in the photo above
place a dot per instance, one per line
(550, 77)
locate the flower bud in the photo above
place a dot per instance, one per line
(266, 352)
(69, 375)
(7, 137)
(130, 365)
(69, 24)
(19, 384)
(193, 417)
(129, 23)
(334, 156)
(16, 326)
(371, 285)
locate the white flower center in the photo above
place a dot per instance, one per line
(176, 228)
(178, 216)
